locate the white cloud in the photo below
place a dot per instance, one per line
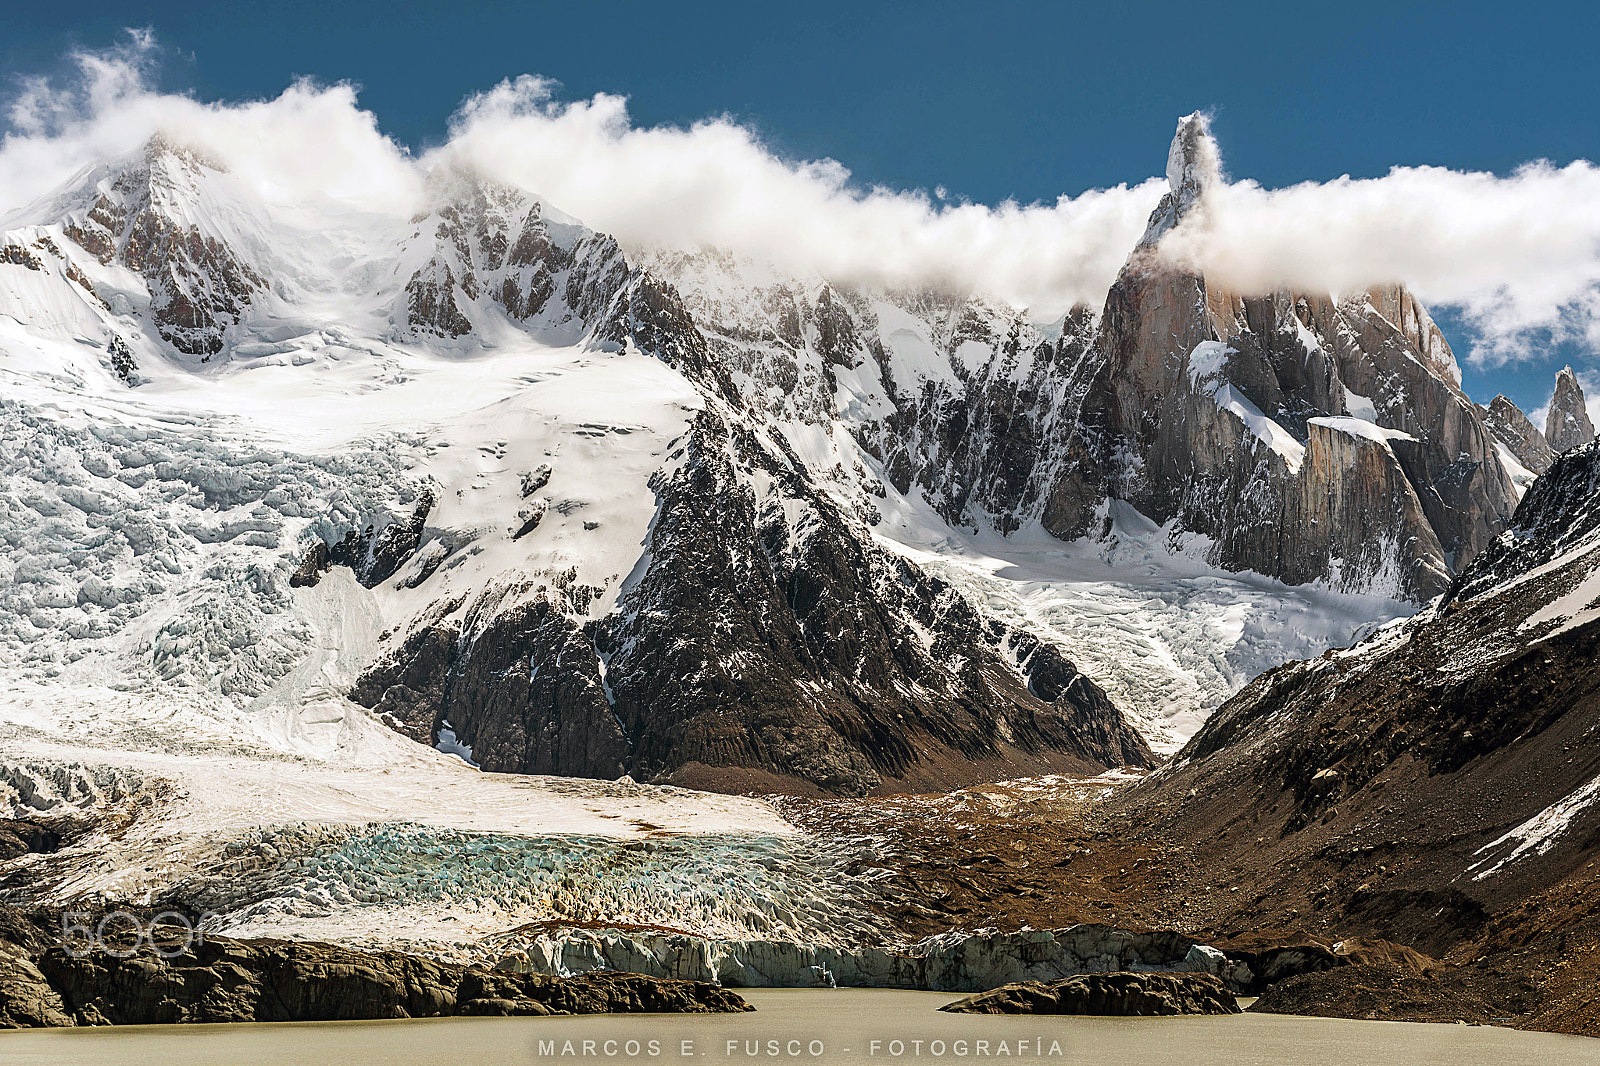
(715, 184)
(1519, 254)
(309, 143)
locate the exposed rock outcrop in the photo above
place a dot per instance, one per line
(1567, 424)
(1383, 993)
(224, 980)
(520, 685)
(1264, 957)
(951, 962)
(1513, 429)
(488, 249)
(19, 836)
(374, 554)
(27, 999)
(1140, 995)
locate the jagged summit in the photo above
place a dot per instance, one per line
(1518, 435)
(176, 219)
(1243, 416)
(1193, 162)
(1194, 166)
(1567, 425)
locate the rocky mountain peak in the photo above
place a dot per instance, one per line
(1193, 162)
(167, 213)
(162, 154)
(1559, 516)
(1513, 429)
(1567, 425)
(1194, 165)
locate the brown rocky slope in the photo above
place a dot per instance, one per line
(1433, 785)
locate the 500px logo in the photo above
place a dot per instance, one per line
(120, 934)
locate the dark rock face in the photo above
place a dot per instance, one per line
(984, 443)
(493, 245)
(312, 567)
(1511, 427)
(767, 642)
(1139, 995)
(1567, 425)
(374, 555)
(1269, 956)
(20, 836)
(524, 691)
(122, 361)
(492, 242)
(840, 631)
(1560, 513)
(27, 999)
(223, 980)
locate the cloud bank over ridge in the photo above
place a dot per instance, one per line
(1519, 254)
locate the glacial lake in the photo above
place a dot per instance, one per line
(839, 1028)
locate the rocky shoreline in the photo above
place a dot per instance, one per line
(1131, 995)
(950, 962)
(565, 970)
(219, 979)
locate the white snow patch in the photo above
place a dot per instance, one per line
(1359, 406)
(1575, 608)
(451, 746)
(1360, 427)
(1521, 477)
(1206, 364)
(1167, 635)
(1539, 833)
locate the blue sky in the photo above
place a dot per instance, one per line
(990, 101)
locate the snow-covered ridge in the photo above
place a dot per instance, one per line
(305, 501)
(868, 390)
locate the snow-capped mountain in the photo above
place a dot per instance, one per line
(573, 509)
(1309, 437)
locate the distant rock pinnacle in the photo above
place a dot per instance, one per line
(1567, 425)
